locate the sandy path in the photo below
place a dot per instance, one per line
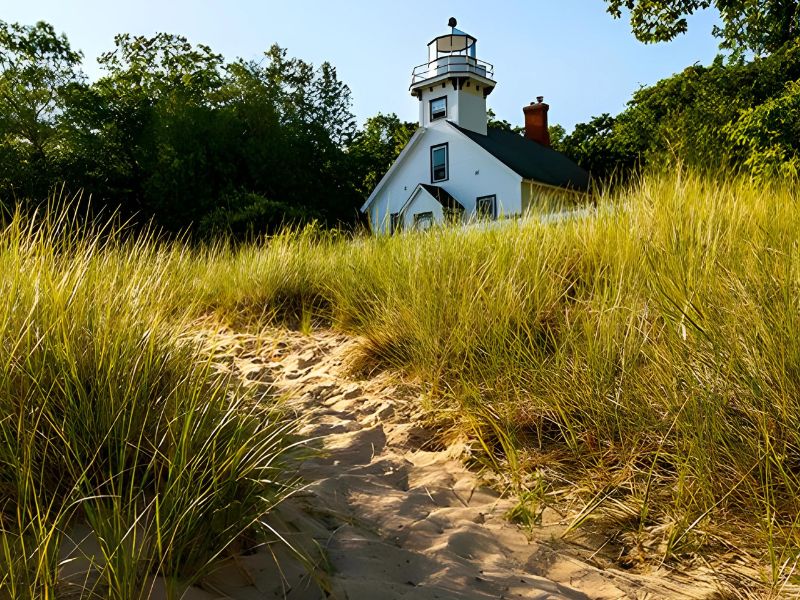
(387, 518)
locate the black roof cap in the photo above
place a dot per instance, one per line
(530, 159)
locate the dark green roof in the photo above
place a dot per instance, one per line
(530, 159)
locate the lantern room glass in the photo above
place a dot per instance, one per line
(457, 43)
(450, 54)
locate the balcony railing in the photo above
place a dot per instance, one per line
(448, 65)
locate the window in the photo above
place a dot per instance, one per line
(486, 207)
(438, 108)
(439, 163)
(423, 220)
(395, 224)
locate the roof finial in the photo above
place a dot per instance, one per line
(452, 22)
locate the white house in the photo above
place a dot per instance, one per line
(455, 166)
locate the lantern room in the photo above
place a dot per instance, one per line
(454, 83)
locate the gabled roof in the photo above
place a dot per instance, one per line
(441, 195)
(529, 159)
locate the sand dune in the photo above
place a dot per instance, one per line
(387, 514)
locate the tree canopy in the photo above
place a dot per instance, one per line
(37, 69)
(760, 27)
(173, 132)
(740, 117)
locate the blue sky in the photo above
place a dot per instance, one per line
(570, 51)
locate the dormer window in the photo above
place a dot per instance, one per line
(438, 108)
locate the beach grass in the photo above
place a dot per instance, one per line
(114, 421)
(639, 362)
(645, 354)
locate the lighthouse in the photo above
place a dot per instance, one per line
(456, 169)
(454, 83)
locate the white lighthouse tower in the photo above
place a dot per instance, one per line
(454, 83)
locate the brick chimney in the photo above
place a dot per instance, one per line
(536, 122)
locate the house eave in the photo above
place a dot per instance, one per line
(421, 188)
(445, 77)
(559, 188)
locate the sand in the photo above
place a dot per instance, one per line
(387, 512)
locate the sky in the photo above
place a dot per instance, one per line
(570, 51)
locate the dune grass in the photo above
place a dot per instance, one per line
(647, 355)
(113, 419)
(641, 362)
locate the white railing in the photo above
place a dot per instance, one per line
(451, 65)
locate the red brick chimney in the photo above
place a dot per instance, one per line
(536, 121)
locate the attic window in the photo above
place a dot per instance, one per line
(438, 108)
(439, 166)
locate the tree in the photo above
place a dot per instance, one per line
(145, 132)
(493, 121)
(758, 26)
(376, 147)
(162, 65)
(597, 147)
(37, 67)
(767, 137)
(303, 161)
(173, 133)
(724, 116)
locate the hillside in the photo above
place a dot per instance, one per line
(625, 380)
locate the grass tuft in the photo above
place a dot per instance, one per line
(111, 418)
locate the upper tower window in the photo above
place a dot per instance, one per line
(438, 108)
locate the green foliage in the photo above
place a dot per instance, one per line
(245, 215)
(705, 117)
(376, 146)
(502, 123)
(597, 148)
(760, 27)
(767, 136)
(557, 134)
(149, 69)
(171, 131)
(37, 70)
